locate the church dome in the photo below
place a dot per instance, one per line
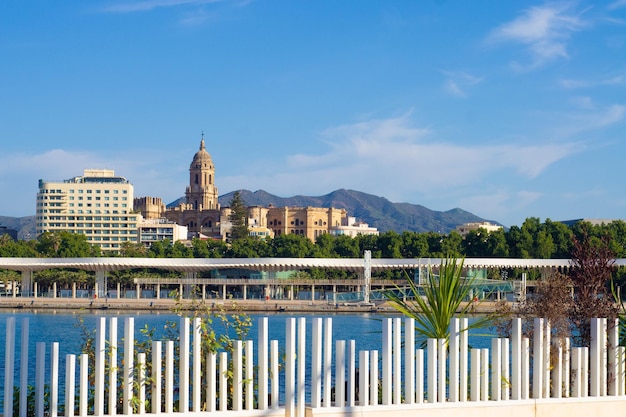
(202, 158)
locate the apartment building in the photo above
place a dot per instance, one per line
(97, 204)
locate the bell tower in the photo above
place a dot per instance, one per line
(202, 192)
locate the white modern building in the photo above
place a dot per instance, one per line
(350, 227)
(97, 204)
(153, 230)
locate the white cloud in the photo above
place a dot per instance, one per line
(583, 102)
(593, 119)
(571, 84)
(457, 83)
(618, 4)
(391, 155)
(147, 5)
(544, 30)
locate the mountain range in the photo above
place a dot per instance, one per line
(376, 211)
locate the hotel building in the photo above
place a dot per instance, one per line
(98, 205)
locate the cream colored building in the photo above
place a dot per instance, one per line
(464, 229)
(97, 204)
(308, 221)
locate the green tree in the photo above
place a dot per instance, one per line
(238, 218)
(496, 244)
(292, 245)
(66, 244)
(390, 245)
(414, 245)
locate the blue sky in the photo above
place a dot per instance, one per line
(506, 109)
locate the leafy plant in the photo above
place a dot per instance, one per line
(442, 298)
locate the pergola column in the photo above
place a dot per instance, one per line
(101, 285)
(27, 282)
(138, 291)
(223, 291)
(73, 289)
(54, 289)
(158, 291)
(245, 291)
(119, 290)
(35, 289)
(203, 292)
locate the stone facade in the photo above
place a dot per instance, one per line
(308, 221)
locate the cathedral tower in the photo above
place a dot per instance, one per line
(201, 193)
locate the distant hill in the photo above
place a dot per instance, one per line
(376, 211)
(25, 226)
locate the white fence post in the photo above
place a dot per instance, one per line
(40, 375)
(577, 371)
(84, 384)
(169, 376)
(419, 376)
(100, 356)
(249, 372)
(340, 373)
(432, 370)
(183, 361)
(237, 375)
(409, 360)
(316, 363)
(223, 378)
(351, 368)
(112, 366)
(275, 373)
(301, 355)
(262, 355)
(453, 385)
(9, 366)
(290, 367)
(129, 345)
(441, 356)
(496, 370)
(211, 379)
(595, 358)
(196, 384)
(386, 358)
(463, 362)
(157, 372)
(363, 377)
(70, 384)
(547, 342)
(484, 372)
(328, 360)
(141, 380)
(54, 379)
(374, 377)
(475, 375)
(538, 359)
(23, 371)
(516, 359)
(397, 360)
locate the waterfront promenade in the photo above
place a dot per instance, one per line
(291, 307)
